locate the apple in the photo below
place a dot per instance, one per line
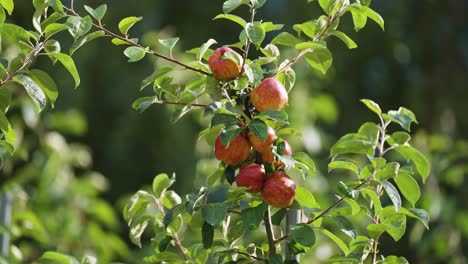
(252, 177)
(268, 156)
(225, 69)
(270, 94)
(279, 190)
(237, 151)
(262, 145)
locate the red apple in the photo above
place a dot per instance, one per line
(262, 145)
(279, 190)
(237, 151)
(223, 68)
(270, 94)
(252, 177)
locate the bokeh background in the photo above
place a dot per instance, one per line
(420, 61)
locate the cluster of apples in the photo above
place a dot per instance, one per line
(277, 188)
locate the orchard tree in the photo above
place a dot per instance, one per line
(245, 98)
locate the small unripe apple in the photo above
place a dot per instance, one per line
(279, 190)
(268, 156)
(252, 177)
(262, 145)
(237, 151)
(225, 69)
(270, 94)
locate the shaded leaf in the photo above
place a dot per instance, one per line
(34, 91)
(69, 64)
(392, 193)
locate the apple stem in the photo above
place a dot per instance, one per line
(132, 43)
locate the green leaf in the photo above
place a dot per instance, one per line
(231, 5)
(408, 187)
(229, 133)
(370, 194)
(373, 106)
(85, 39)
(52, 46)
(392, 193)
(164, 257)
(395, 226)
(255, 32)
(345, 226)
(161, 71)
(3, 16)
(214, 214)
(328, 5)
(223, 119)
(403, 117)
(319, 59)
(69, 64)
(346, 40)
(55, 28)
(360, 14)
(7, 130)
(387, 171)
(169, 43)
(137, 205)
(398, 138)
(14, 32)
(311, 45)
(46, 83)
(79, 26)
(278, 216)
(56, 5)
(253, 216)
(355, 146)
(128, 22)
(204, 48)
(34, 91)
(9, 5)
(303, 234)
(257, 3)
(134, 53)
(50, 257)
(310, 28)
(160, 184)
(306, 198)
(286, 39)
(418, 159)
(343, 164)
(395, 260)
(279, 116)
(374, 16)
(304, 162)
(346, 191)
(416, 213)
(97, 13)
(207, 235)
(141, 104)
(259, 129)
(137, 227)
(342, 245)
(234, 18)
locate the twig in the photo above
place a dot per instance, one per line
(32, 55)
(316, 38)
(250, 256)
(326, 211)
(247, 46)
(149, 51)
(269, 231)
(179, 103)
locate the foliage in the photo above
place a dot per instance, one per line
(384, 164)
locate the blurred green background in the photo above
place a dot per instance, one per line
(420, 62)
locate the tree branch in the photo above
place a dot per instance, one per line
(269, 231)
(132, 43)
(179, 103)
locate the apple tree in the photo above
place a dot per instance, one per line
(254, 206)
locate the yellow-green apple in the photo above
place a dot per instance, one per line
(236, 152)
(223, 68)
(262, 145)
(270, 94)
(252, 177)
(279, 190)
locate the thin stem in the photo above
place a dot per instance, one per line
(250, 256)
(179, 103)
(247, 45)
(149, 51)
(316, 38)
(270, 235)
(326, 211)
(28, 59)
(173, 233)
